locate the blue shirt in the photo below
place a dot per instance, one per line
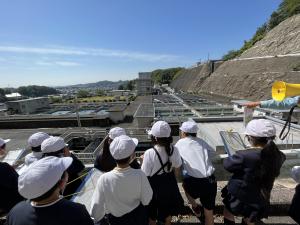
(285, 104)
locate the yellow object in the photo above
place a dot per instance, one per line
(281, 90)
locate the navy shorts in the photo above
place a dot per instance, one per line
(203, 188)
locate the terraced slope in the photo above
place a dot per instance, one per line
(276, 57)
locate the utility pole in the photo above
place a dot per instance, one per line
(76, 109)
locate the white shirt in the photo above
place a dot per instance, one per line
(195, 154)
(32, 157)
(151, 162)
(119, 192)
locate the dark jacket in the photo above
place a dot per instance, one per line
(9, 195)
(245, 183)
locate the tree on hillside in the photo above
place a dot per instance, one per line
(36, 91)
(231, 55)
(2, 92)
(83, 93)
(121, 87)
(164, 76)
(9, 90)
(130, 85)
(275, 19)
(2, 95)
(100, 92)
(289, 8)
(286, 9)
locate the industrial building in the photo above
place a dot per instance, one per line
(28, 106)
(144, 84)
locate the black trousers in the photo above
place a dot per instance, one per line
(294, 211)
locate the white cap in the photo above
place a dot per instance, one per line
(116, 132)
(260, 128)
(42, 175)
(296, 173)
(36, 139)
(53, 144)
(122, 147)
(189, 127)
(160, 129)
(3, 141)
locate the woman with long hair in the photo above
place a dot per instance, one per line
(157, 165)
(247, 193)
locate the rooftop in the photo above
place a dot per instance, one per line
(117, 108)
(29, 99)
(145, 110)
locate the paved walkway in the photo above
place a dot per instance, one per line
(281, 197)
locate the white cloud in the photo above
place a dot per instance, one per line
(89, 52)
(42, 63)
(57, 63)
(65, 63)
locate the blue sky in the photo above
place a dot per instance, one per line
(62, 42)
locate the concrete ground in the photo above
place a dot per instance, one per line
(281, 198)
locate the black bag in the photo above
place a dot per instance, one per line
(295, 206)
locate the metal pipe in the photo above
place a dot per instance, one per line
(77, 114)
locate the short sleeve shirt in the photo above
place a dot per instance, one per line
(151, 162)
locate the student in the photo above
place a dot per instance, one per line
(157, 165)
(123, 192)
(248, 191)
(41, 184)
(35, 142)
(198, 172)
(287, 103)
(295, 206)
(104, 161)
(56, 146)
(9, 195)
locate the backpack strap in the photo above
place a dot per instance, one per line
(163, 165)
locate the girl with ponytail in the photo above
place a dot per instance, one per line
(248, 191)
(157, 165)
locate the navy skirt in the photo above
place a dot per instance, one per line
(166, 200)
(253, 211)
(136, 216)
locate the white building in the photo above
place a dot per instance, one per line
(28, 106)
(116, 113)
(144, 115)
(13, 96)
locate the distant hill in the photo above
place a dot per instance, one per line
(101, 84)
